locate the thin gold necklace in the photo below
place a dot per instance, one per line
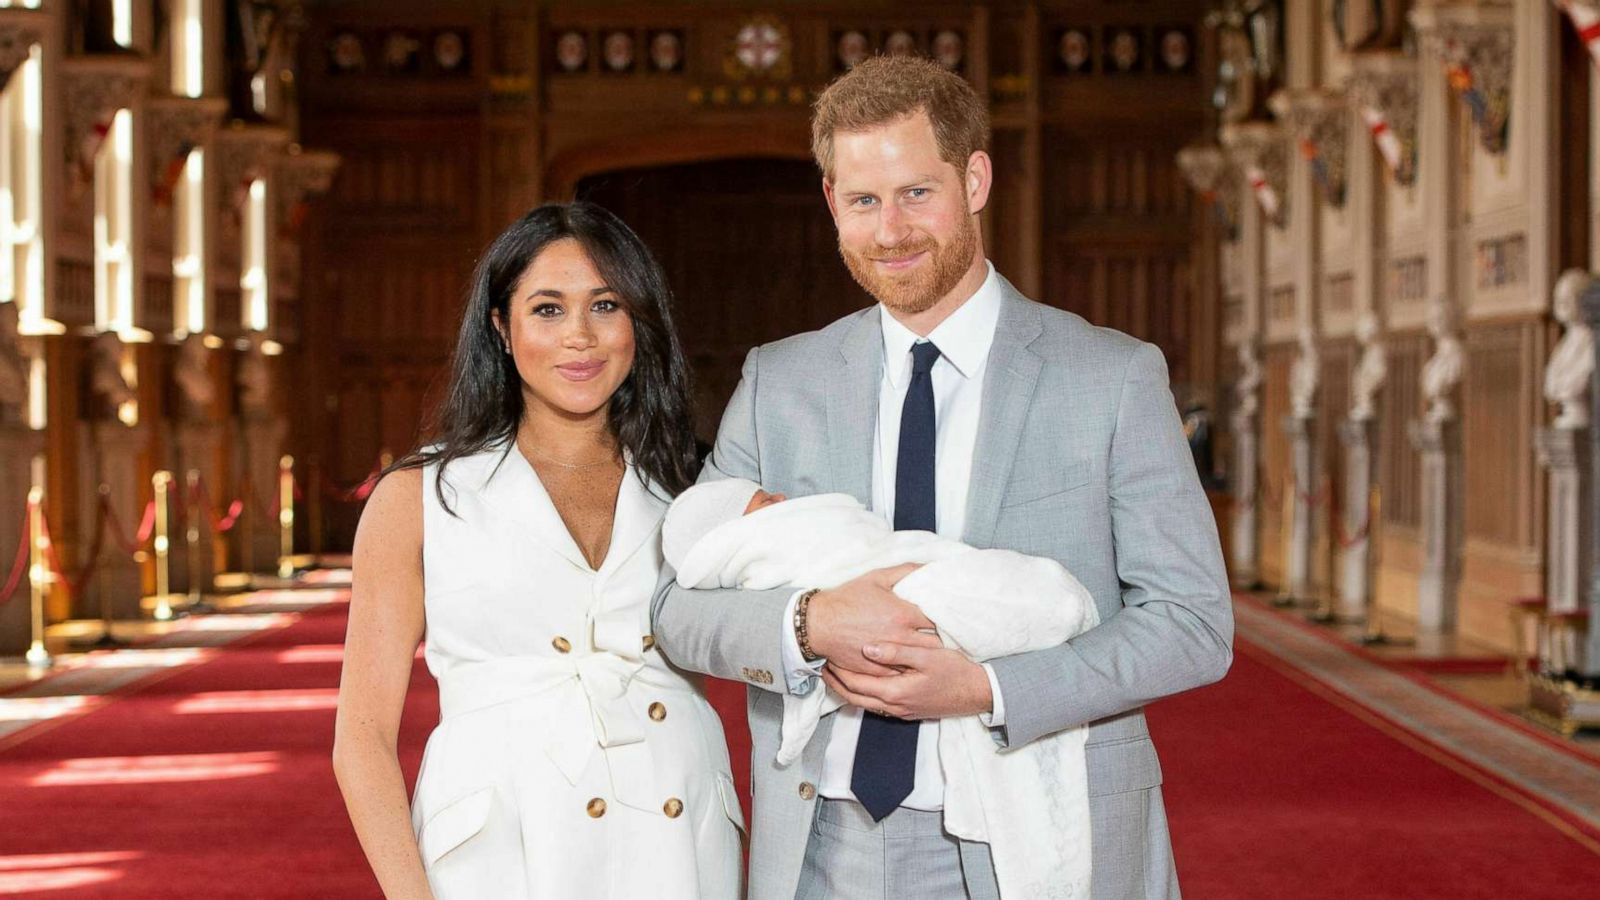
(566, 465)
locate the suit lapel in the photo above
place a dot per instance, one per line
(1012, 374)
(853, 406)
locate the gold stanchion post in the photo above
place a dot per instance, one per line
(286, 516)
(162, 482)
(39, 578)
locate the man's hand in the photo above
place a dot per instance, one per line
(928, 683)
(866, 611)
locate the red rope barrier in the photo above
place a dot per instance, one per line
(74, 585)
(147, 525)
(355, 494)
(21, 564)
(203, 501)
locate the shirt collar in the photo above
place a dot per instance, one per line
(963, 338)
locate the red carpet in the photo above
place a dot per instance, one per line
(177, 789)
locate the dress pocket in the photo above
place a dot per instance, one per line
(454, 823)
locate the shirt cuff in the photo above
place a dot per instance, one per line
(800, 675)
(996, 717)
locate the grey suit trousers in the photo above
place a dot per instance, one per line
(909, 855)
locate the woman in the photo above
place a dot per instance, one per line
(570, 759)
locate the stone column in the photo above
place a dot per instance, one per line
(1439, 443)
(261, 438)
(110, 464)
(261, 446)
(1303, 525)
(1591, 586)
(196, 445)
(1564, 453)
(1356, 556)
(18, 446)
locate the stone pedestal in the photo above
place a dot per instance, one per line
(1564, 453)
(1439, 443)
(1245, 563)
(260, 447)
(18, 446)
(195, 448)
(1355, 553)
(109, 456)
(1303, 527)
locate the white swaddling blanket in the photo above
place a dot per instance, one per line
(1030, 804)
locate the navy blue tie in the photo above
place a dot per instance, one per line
(886, 753)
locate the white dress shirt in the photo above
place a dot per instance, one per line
(964, 340)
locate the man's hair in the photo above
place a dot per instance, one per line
(885, 89)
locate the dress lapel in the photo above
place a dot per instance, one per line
(1012, 375)
(638, 516)
(853, 406)
(513, 489)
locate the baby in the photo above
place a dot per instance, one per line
(1029, 804)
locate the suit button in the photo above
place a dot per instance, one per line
(649, 642)
(808, 791)
(562, 645)
(673, 808)
(658, 711)
(597, 808)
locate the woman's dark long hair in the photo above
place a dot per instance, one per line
(649, 416)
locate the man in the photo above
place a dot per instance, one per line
(958, 406)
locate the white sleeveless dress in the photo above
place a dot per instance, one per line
(570, 760)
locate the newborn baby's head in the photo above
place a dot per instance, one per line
(703, 507)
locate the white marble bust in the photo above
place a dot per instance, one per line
(1444, 369)
(255, 380)
(192, 374)
(1566, 376)
(1371, 369)
(1246, 397)
(105, 372)
(1303, 377)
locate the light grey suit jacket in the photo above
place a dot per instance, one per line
(1080, 458)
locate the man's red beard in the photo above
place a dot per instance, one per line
(917, 290)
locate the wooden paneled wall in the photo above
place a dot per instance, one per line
(1088, 213)
(1502, 401)
(1399, 464)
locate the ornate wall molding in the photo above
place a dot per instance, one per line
(177, 125)
(93, 89)
(1262, 156)
(244, 153)
(1476, 44)
(20, 29)
(1208, 171)
(302, 174)
(1318, 121)
(1383, 88)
